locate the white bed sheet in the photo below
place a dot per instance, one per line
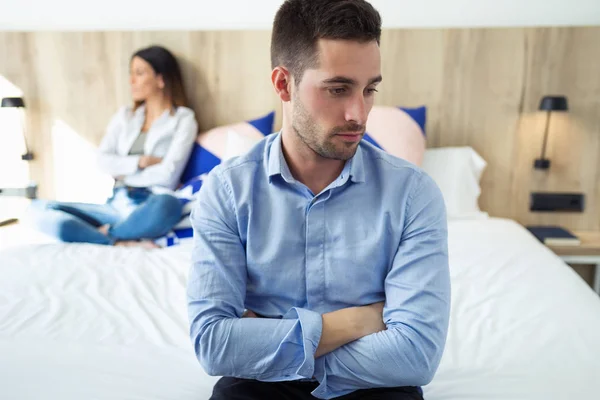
(21, 234)
(523, 324)
(83, 321)
(94, 322)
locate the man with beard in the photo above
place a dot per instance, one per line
(320, 265)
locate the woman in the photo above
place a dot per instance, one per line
(145, 149)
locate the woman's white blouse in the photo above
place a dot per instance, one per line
(170, 137)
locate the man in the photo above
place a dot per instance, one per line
(320, 266)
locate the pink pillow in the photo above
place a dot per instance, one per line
(215, 140)
(397, 133)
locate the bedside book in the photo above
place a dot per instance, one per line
(554, 236)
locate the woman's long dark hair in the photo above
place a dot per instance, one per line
(164, 64)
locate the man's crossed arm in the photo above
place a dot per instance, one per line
(344, 350)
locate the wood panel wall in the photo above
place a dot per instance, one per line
(482, 87)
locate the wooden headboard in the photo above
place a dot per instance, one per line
(482, 88)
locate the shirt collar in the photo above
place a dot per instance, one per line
(278, 166)
(277, 163)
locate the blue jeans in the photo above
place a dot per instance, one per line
(132, 213)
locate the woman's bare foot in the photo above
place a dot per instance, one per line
(125, 243)
(146, 244)
(104, 229)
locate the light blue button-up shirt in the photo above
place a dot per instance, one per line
(265, 242)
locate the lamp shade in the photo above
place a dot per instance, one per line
(13, 102)
(554, 103)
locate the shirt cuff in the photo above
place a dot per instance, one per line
(321, 391)
(311, 324)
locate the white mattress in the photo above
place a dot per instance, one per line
(94, 322)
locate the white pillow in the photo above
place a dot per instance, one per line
(457, 171)
(238, 144)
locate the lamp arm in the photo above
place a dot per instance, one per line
(545, 135)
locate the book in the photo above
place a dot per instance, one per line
(554, 236)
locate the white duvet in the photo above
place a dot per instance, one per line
(93, 322)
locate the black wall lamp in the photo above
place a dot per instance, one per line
(19, 103)
(31, 190)
(549, 104)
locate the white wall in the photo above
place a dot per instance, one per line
(258, 14)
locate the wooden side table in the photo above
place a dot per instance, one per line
(587, 253)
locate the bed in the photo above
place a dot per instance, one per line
(81, 321)
(85, 321)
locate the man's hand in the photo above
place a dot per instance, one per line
(249, 314)
(147, 161)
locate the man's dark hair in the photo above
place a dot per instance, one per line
(299, 24)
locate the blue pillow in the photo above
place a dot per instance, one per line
(202, 161)
(264, 124)
(419, 114)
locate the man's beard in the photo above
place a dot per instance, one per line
(323, 144)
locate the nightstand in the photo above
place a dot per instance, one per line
(12, 209)
(14, 201)
(586, 253)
